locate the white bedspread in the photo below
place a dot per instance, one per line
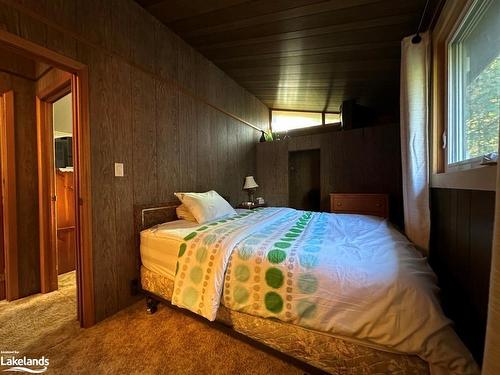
(351, 276)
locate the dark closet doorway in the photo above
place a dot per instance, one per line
(304, 180)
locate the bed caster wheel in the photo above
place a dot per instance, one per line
(151, 305)
(152, 309)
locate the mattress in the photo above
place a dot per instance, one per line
(160, 246)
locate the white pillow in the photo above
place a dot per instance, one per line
(206, 206)
(183, 213)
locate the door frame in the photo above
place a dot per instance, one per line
(81, 162)
(46, 184)
(9, 196)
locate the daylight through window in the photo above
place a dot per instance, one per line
(290, 120)
(474, 84)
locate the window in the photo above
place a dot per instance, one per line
(289, 120)
(474, 85)
(332, 118)
(282, 121)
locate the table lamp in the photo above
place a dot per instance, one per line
(250, 186)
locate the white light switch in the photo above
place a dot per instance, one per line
(119, 170)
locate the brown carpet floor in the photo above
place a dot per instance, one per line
(130, 342)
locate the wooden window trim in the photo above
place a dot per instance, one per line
(479, 178)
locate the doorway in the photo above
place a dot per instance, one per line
(64, 176)
(56, 178)
(304, 180)
(73, 229)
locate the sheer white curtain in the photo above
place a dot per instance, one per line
(491, 361)
(415, 65)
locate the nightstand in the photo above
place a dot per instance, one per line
(364, 204)
(256, 205)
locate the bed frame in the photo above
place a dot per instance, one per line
(146, 216)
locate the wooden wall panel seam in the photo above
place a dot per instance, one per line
(124, 152)
(460, 255)
(103, 199)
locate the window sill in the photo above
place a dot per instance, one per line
(465, 165)
(480, 178)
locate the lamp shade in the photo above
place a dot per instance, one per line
(250, 183)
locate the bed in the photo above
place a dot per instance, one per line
(345, 293)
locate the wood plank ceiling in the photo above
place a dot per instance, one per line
(300, 54)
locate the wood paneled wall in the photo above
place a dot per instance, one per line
(17, 65)
(366, 160)
(272, 172)
(460, 254)
(157, 106)
(26, 181)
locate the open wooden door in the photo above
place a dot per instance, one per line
(47, 196)
(9, 199)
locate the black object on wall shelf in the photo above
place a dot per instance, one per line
(354, 116)
(262, 136)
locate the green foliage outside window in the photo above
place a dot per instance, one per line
(482, 111)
